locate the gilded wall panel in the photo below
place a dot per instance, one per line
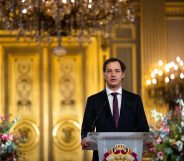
(23, 85)
(22, 99)
(67, 106)
(49, 94)
(67, 85)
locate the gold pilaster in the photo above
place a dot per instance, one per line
(103, 54)
(153, 34)
(91, 73)
(2, 110)
(45, 97)
(153, 42)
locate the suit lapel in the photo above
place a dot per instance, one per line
(123, 102)
(123, 107)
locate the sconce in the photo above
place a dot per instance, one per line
(166, 82)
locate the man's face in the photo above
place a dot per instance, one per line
(113, 75)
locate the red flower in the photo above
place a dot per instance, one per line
(5, 137)
(158, 140)
(152, 148)
(160, 155)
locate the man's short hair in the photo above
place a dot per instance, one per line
(110, 60)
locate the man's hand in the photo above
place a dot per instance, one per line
(85, 143)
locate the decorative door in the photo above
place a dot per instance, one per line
(48, 93)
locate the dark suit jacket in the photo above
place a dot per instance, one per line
(98, 114)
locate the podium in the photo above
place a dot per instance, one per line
(104, 141)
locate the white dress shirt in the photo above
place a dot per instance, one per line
(110, 98)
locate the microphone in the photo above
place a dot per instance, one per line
(103, 109)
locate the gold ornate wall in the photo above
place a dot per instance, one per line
(21, 89)
(49, 93)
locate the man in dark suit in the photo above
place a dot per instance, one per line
(113, 109)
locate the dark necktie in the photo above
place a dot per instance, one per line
(115, 108)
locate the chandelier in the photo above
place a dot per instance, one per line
(166, 82)
(79, 18)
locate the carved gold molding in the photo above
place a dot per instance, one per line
(174, 9)
(125, 28)
(65, 135)
(29, 134)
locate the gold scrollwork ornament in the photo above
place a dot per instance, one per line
(29, 134)
(66, 135)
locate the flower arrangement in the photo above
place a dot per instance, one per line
(120, 153)
(8, 141)
(169, 134)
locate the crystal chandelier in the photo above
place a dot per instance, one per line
(45, 18)
(41, 20)
(167, 81)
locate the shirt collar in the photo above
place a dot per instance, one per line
(109, 91)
